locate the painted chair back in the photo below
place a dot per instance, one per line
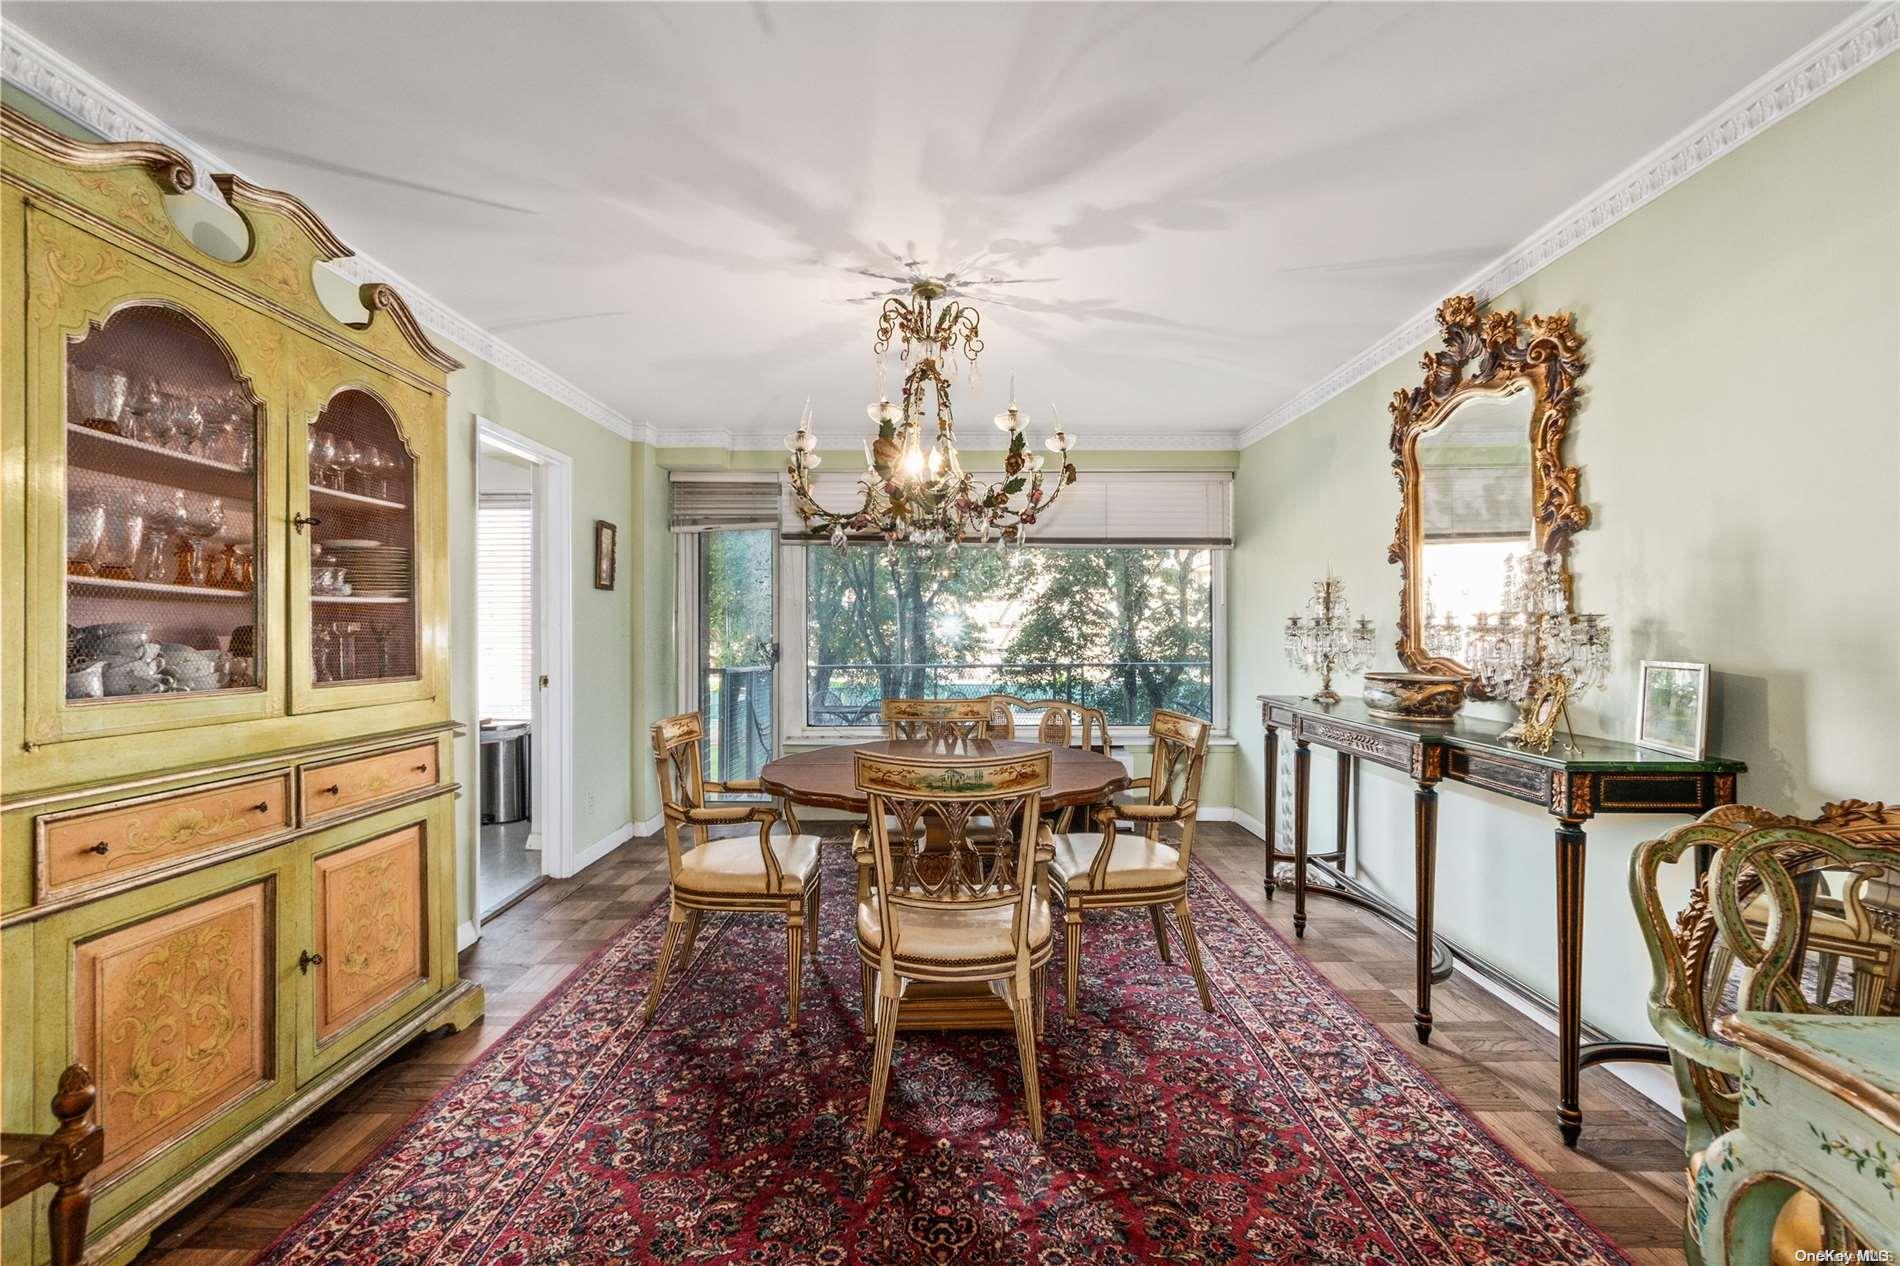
(1719, 955)
(1174, 771)
(926, 854)
(1058, 722)
(936, 720)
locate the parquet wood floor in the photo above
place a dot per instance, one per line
(1625, 1176)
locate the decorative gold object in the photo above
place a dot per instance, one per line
(1414, 696)
(918, 496)
(1493, 355)
(1327, 640)
(1538, 724)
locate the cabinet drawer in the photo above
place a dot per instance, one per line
(340, 785)
(90, 847)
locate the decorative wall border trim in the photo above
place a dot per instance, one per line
(1833, 59)
(44, 73)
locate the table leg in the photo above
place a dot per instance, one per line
(1270, 809)
(1345, 763)
(1425, 879)
(1570, 847)
(1302, 770)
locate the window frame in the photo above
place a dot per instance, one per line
(792, 684)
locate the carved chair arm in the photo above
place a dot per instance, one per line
(732, 785)
(1154, 812)
(714, 815)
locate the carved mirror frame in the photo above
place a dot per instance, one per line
(1492, 354)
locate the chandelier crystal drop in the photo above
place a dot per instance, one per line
(1534, 638)
(916, 491)
(1328, 639)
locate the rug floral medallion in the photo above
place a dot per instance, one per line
(1283, 1128)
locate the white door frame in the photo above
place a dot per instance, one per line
(552, 792)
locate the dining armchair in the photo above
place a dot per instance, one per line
(1058, 722)
(1105, 869)
(941, 907)
(775, 871)
(936, 720)
(1741, 942)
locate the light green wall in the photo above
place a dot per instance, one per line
(604, 631)
(651, 559)
(1740, 445)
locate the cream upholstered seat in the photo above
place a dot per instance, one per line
(957, 936)
(1135, 864)
(736, 865)
(939, 903)
(770, 871)
(1106, 869)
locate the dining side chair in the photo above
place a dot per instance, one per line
(936, 720)
(1059, 722)
(1105, 869)
(943, 908)
(774, 872)
(1742, 942)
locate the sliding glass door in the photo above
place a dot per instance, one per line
(738, 649)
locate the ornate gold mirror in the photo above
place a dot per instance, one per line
(1478, 452)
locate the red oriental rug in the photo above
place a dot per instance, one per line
(1283, 1128)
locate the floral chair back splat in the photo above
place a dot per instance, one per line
(1781, 901)
(936, 720)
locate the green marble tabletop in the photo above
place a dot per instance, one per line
(1581, 754)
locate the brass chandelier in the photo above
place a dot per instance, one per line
(918, 495)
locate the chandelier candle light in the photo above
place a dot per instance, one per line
(1328, 640)
(922, 496)
(1535, 650)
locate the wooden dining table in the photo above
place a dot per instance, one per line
(825, 777)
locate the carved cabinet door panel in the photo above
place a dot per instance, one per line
(175, 1015)
(370, 938)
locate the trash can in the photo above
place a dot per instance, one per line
(505, 774)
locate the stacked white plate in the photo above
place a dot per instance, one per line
(371, 568)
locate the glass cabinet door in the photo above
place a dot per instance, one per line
(362, 545)
(161, 513)
(148, 511)
(360, 571)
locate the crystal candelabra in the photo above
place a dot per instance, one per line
(1328, 639)
(1534, 639)
(1441, 636)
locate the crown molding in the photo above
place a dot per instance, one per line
(54, 79)
(1837, 56)
(976, 440)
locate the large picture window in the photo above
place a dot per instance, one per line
(1126, 630)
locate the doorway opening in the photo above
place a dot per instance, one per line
(523, 599)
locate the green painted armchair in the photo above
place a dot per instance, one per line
(1746, 940)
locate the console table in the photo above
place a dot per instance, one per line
(1573, 782)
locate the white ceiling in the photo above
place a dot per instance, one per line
(1173, 217)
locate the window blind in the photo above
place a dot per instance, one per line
(1475, 503)
(700, 505)
(1176, 508)
(504, 596)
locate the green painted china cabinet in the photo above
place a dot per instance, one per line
(227, 867)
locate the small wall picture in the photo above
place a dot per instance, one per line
(1674, 716)
(605, 536)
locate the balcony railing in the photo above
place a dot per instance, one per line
(1127, 691)
(737, 716)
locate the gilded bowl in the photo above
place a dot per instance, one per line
(1414, 696)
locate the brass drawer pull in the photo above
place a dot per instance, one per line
(334, 789)
(302, 521)
(262, 806)
(307, 960)
(101, 848)
(421, 769)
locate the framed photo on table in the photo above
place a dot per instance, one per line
(605, 537)
(1673, 715)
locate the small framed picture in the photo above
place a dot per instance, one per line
(1674, 713)
(605, 537)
